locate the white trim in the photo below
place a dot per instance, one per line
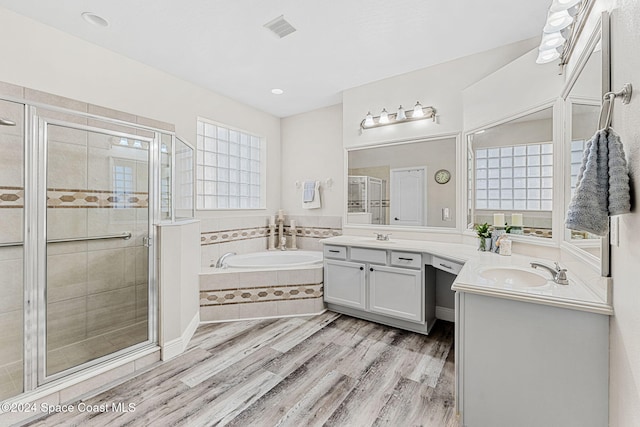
(445, 313)
(207, 322)
(176, 346)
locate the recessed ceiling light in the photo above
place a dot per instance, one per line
(94, 19)
(277, 91)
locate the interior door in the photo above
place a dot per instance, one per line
(408, 196)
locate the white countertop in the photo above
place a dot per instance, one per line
(576, 295)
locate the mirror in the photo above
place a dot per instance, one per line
(409, 184)
(583, 95)
(511, 173)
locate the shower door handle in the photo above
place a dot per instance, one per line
(147, 241)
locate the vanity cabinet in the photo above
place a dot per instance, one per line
(381, 285)
(344, 283)
(529, 365)
(396, 292)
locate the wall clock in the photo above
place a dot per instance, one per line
(442, 176)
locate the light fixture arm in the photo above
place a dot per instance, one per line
(428, 113)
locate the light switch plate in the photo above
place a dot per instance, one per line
(614, 233)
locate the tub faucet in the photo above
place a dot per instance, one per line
(559, 274)
(220, 263)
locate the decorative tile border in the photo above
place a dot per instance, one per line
(13, 197)
(225, 236)
(260, 294)
(62, 198)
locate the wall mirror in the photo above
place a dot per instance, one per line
(510, 170)
(583, 98)
(410, 184)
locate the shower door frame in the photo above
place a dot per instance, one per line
(35, 258)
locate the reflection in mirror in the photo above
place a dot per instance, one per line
(512, 169)
(583, 107)
(396, 184)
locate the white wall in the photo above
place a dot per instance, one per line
(439, 86)
(625, 324)
(312, 149)
(513, 89)
(41, 57)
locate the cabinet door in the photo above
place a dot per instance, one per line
(396, 292)
(344, 283)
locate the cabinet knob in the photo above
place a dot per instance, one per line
(371, 269)
(361, 268)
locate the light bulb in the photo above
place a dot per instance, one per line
(546, 56)
(417, 110)
(384, 117)
(551, 41)
(400, 115)
(557, 21)
(368, 120)
(571, 6)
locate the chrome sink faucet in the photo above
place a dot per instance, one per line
(559, 274)
(382, 237)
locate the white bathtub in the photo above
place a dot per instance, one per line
(275, 259)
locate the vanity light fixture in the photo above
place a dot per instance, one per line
(385, 118)
(277, 91)
(400, 115)
(565, 20)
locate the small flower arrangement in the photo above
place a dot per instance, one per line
(483, 232)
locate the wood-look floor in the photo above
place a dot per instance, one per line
(330, 369)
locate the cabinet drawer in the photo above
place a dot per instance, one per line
(335, 252)
(406, 259)
(376, 256)
(446, 265)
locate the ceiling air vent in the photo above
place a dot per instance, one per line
(280, 27)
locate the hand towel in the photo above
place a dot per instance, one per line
(315, 203)
(603, 185)
(308, 191)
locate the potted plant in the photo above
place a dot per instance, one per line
(482, 230)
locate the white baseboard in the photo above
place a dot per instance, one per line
(175, 347)
(444, 313)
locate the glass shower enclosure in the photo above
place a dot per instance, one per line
(79, 198)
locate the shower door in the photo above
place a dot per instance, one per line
(94, 290)
(11, 248)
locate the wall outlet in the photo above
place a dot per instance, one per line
(614, 232)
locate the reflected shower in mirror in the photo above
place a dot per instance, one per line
(512, 169)
(396, 184)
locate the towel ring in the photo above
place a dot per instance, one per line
(609, 97)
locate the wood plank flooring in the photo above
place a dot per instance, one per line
(326, 370)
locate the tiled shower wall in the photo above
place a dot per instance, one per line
(250, 234)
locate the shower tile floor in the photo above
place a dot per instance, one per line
(328, 369)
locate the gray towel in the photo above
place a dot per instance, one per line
(603, 185)
(308, 191)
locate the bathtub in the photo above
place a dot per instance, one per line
(263, 285)
(275, 259)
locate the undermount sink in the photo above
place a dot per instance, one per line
(514, 276)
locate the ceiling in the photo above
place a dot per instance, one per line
(339, 44)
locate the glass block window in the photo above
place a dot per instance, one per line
(577, 152)
(229, 168)
(122, 184)
(516, 177)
